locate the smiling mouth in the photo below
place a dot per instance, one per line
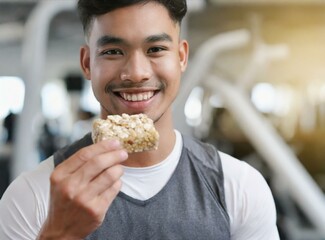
(136, 97)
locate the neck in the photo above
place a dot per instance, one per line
(167, 140)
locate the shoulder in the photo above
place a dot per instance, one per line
(38, 179)
(204, 152)
(65, 152)
(196, 146)
(206, 160)
(34, 181)
(249, 201)
(23, 207)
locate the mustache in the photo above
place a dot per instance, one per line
(113, 86)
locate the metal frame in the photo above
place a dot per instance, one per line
(25, 155)
(277, 154)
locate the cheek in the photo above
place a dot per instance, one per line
(98, 69)
(99, 78)
(96, 89)
(97, 82)
(102, 73)
(170, 72)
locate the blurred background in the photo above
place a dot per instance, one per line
(255, 88)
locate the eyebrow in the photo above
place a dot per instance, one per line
(109, 39)
(159, 38)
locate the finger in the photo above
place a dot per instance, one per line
(109, 194)
(97, 165)
(98, 206)
(101, 183)
(85, 154)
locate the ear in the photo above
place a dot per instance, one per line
(85, 61)
(183, 54)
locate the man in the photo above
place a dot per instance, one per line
(134, 58)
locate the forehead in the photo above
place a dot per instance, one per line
(139, 20)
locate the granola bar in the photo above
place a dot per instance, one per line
(136, 132)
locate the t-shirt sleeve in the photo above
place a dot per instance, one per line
(249, 200)
(23, 207)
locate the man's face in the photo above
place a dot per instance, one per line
(134, 60)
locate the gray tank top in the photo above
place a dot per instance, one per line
(190, 206)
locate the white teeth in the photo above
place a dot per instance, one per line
(134, 97)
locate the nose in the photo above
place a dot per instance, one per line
(137, 68)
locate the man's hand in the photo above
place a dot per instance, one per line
(82, 189)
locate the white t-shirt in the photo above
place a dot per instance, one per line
(250, 205)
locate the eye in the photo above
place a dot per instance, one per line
(112, 52)
(156, 49)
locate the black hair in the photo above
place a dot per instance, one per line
(88, 9)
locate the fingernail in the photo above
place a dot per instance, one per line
(124, 155)
(115, 143)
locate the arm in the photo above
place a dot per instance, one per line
(19, 211)
(249, 201)
(258, 213)
(81, 191)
